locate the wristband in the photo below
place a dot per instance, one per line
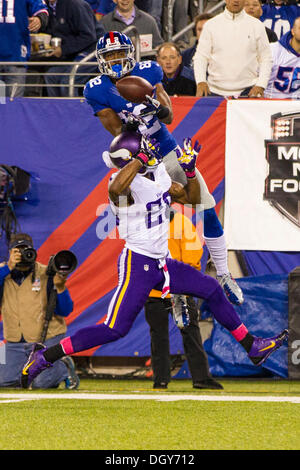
(190, 174)
(143, 158)
(163, 112)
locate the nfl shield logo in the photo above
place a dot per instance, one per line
(146, 267)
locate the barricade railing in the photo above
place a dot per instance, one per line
(190, 26)
(88, 60)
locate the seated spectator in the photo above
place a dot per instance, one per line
(225, 66)
(177, 79)
(25, 293)
(279, 16)
(188, 54)
(284, 81)
(74, 23)
(15, 28)
(253, 8)
(126, 14)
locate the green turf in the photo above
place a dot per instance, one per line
(152, 425)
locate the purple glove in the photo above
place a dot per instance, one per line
(188, 158)
(148, 152)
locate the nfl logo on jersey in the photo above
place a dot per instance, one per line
(146, 267)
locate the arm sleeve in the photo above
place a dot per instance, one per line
(64, 304)
(94, 98)
(35, 7)
(4, 271)
(44, 17)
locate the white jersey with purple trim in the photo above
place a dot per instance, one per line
(144, 225)
(285, 75)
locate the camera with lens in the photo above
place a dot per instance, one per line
(63, 263)
(28, 255)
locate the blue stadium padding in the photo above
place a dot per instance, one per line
(265, 313)
(271, 262)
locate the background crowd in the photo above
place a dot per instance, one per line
(194, 64)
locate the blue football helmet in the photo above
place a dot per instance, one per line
(126, 145)
(115, 41)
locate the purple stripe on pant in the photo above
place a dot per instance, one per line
(141, 274)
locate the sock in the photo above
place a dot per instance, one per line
(242, 335)
(54, 353)
(212, 226)
(218, 251)
(215, 241)
(83, 339)
(247, 342)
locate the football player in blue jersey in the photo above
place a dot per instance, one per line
(115, 56)
(18, 18)
(279, 15)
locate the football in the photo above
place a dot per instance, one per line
(134, 89)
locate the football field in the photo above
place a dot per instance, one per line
(129, 415)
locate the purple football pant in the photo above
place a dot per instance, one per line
(138, 275)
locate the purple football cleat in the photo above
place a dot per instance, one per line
(262, 348)
(34, 366)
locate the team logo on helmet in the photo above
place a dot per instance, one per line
(127, 145)
(115, 67)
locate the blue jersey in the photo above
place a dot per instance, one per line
(285, 75)
(94, 4)
(279, 18)
(101, 93)
(106, 6)
(14, 32)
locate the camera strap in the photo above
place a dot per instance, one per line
(51, 304)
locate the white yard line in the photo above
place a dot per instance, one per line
(16, 397)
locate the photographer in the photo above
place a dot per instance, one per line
(25, 290)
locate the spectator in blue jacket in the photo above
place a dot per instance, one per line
(26, 16)
(72, 21)
(24, 292)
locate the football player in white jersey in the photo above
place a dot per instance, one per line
(140, 193)
(285, 76)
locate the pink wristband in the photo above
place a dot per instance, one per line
(190, 174)
(142, 157)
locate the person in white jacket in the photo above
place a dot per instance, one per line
(233, 56)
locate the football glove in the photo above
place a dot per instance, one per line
(188, 158)
(148, 153)
(180, 312)
(133, 121)
(154, 107)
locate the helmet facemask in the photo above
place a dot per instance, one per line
(117, 67)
